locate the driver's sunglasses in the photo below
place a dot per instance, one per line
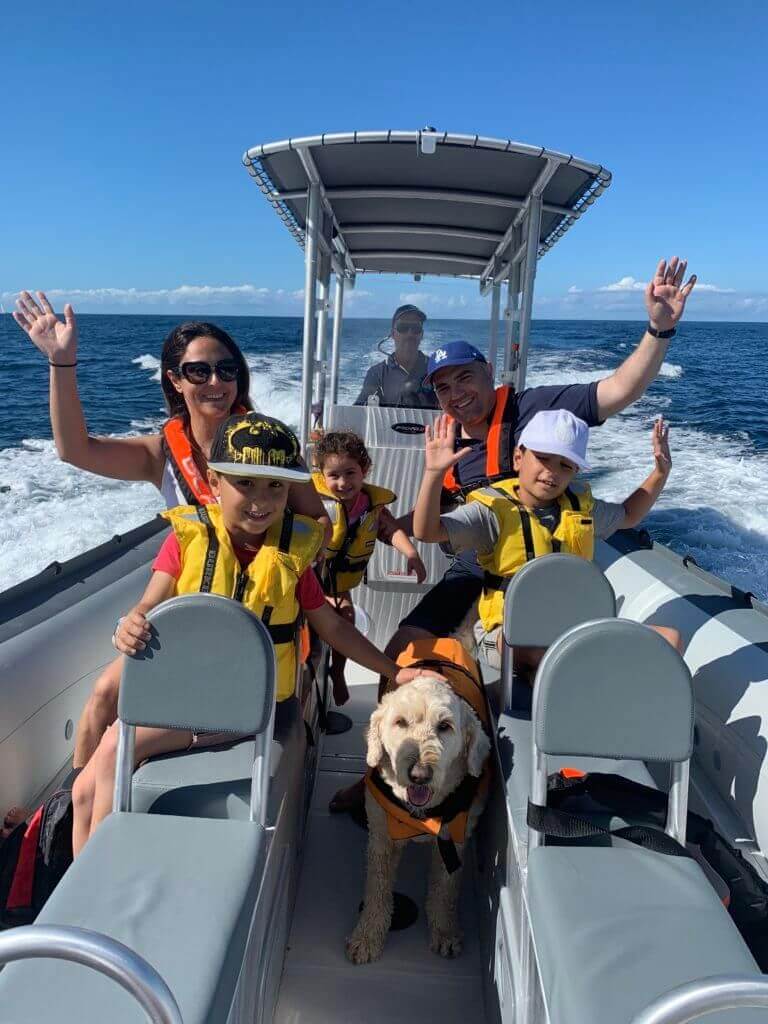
(409, 327)
(199, 372)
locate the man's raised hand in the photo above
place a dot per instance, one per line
(57, 340)
(666, 295)
(440, 453)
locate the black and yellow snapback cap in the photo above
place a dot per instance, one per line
(251, 444)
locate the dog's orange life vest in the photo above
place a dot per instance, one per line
(448, 821)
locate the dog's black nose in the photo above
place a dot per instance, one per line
(420, 774)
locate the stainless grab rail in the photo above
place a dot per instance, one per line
(700, 998)
(92, 949)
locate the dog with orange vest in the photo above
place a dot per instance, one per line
(427, 755)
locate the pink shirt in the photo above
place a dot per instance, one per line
(309, 593)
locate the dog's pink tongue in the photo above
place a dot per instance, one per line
(418, 795)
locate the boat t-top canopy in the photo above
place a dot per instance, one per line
(423, 202)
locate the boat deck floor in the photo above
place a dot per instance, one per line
(409, 982)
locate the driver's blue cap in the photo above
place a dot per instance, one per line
(454, 353)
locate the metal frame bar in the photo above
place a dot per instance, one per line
(260, 773)
(533, 228)
(126, 750)
(422, 194)
(698, 999)
(310, 312)
(338, 315)
(512, 316)
(440, 231)
(321, 350)
(398, 254)
(102, 954)
(313, 176)
(493, 334)
(677, 805)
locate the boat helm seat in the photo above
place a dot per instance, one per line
(179, 891)
(615, 926)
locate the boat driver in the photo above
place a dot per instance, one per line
(399, 380)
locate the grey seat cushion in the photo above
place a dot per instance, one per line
(178, 891)
(615, 927)
(215, 782)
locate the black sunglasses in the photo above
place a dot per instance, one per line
(409, 327)
(200, 372)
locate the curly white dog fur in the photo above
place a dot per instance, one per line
(424, 740)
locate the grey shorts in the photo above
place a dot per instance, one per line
(487, 644)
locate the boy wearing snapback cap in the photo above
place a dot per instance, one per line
(541, 511)
(249, 547)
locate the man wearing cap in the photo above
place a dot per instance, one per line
(492, 419)
(399, 380)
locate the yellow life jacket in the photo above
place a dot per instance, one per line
(523, 537)
(267, 587)
(350, 548)
(448, 822)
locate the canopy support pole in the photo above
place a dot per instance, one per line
(493, 340)
(321, 366)
(511, 318)
(310, 311)
(526, 306)
(338, 313)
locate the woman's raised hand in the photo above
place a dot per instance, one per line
(56, 340)
(440, 448)
(666, 295)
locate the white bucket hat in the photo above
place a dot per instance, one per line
(558, 432)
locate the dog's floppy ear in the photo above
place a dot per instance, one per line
(477, 744)
(375, 753)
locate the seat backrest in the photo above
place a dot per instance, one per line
(551, 595)
(210, 666)
(614, 688)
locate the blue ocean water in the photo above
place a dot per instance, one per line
(712, 390)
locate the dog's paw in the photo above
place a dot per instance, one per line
(447, 944)
(363, 948)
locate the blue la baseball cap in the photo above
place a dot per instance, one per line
(454, 353)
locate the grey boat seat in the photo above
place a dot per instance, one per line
(546, 598)
(215, 782)
(614, 927)
(180, 891)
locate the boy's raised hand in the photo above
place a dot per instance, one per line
(660, 442)
(132, 634)
(440, 453)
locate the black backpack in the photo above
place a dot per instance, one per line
(33, 859)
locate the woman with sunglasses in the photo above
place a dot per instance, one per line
(204, 378)
(399, 380)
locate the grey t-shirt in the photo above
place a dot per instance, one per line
(396, 387)
(474, 527)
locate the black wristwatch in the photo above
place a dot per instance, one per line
(661, 334)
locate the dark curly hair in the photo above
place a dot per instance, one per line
(342, 442)
(174, 347)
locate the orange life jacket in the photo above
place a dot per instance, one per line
(178, 451)
(499, 446)
(448, 823)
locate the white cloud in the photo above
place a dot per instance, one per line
(573, 290)
(183, 295)
(624, 284)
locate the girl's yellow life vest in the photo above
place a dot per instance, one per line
(267, 587)
(523, 537)
(349, 549)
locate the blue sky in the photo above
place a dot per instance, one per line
(121, 183)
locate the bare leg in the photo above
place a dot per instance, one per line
(366, 942)
(83, 792)
(99, 713)
(442, 899)
(342, 605)
(149, 742)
